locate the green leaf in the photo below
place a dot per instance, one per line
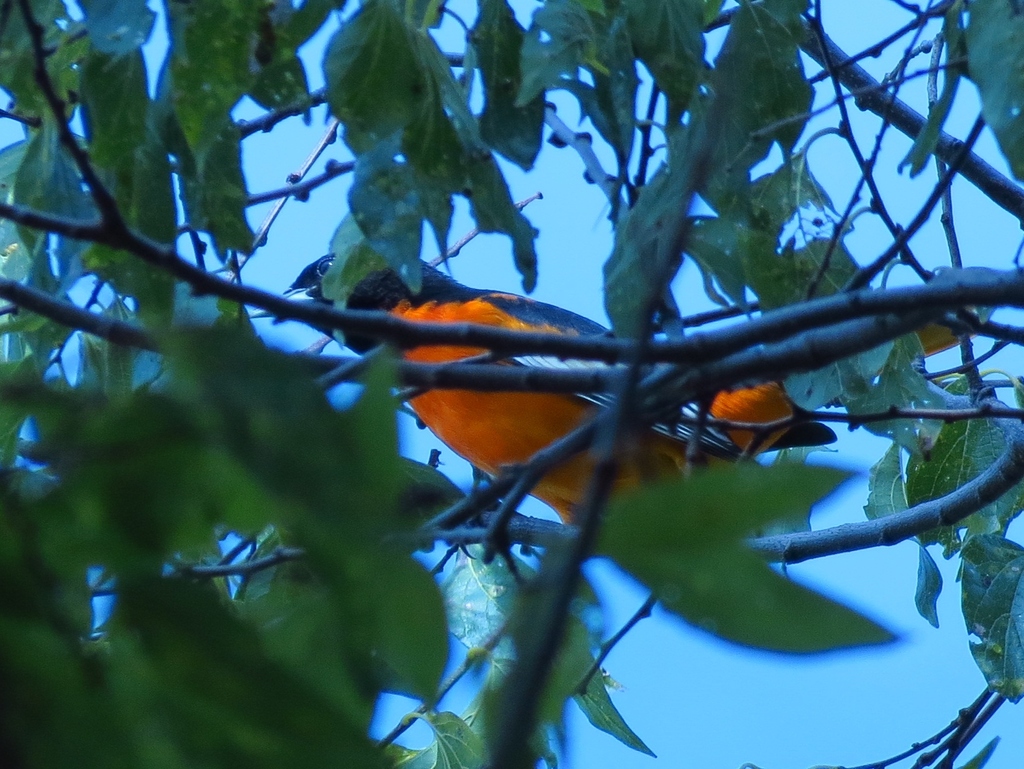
(213, 188)
(427, 491)
(611, 102)
(979, 761)
(761, 96)
(648, 238)
(281, 29)
(48, 181)
(513, 130)
(791, 194)
(494, 211)
(387, 204)
(899, 384)
(993, 606)
(353, 261)
(455, 746)
(887, 492)
(813, 389)
(929, 585)
(782, 277)
(684, 540)
(668, 38)
(15, 258)
(962, 451)
(597, 706)
(150, 286)
(995, 60)
(210, 66)
(410, 654)
(180, 654)
(118, 27)
(115, 99)
(561, 38)
(717, 246)
(17, 59)
(479, 598)
(924, 143)
(374, 83)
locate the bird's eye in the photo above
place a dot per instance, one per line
(324, 265)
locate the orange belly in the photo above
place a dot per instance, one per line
(494, 430)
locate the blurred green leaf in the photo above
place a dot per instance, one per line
(17, 60)
(213, 691)
(48, 181)
(512, 129)
(684, 540)
(211, 46)
(118, 27)
(115, 97)
(992, 599)
(152, 287)
(979, 761)
(995, 60)
(15, 259)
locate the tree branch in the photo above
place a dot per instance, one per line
(300, 190)
(871, 96)
(74, 317)
(1001, 476)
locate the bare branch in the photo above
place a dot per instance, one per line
(581, 143)
(1000, 190)
(300, 190)
(243, 568)
(74, 317)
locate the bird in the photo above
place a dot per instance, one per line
(493, 430)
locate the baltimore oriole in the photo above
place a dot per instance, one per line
(496, 429)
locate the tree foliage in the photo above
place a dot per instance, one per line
(256, 544)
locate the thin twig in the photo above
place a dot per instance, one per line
(461, 242)
(642, 613)
(276, 557)
(329, 137)
(300, 190)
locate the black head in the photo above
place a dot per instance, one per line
(383, 289)
(311, 278)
